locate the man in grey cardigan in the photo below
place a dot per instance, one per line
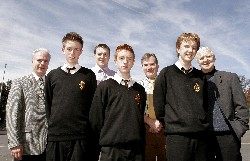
(227, 109)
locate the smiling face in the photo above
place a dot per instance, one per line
(40, 63)
(124, 63)
(150, 67)
(102, 57)
(206, 60)
(72, 51)
(187, 51)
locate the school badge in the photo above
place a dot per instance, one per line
(137, 99)
(197, 87)
(82, 85)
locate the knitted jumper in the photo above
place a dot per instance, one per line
(178, 101)
(117, 114)
(68, 101)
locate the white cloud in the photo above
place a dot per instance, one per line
(149, 26)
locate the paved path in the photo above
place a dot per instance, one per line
(5, 153)
(245, 146)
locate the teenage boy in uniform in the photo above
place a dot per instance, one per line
(178, 102)
(155, 148)
(69, 90)
(117, 112)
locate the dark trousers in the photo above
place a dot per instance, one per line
(76, 150)
(155, 146)
(133, 153)
(41, 157)
(187, 147)
(223, 146)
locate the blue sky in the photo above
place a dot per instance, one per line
(148, 26)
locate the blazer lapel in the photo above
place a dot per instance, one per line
(218, 80)
(34, 87)
(220, 88)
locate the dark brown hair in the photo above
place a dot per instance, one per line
(73, 36)
(104, 46)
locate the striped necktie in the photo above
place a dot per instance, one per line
(186, 71)
(125, 82)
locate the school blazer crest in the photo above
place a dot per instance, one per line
(26, 121)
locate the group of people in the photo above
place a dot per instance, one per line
(76, 114)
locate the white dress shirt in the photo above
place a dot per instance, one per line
(65, 66)
(102, 74)
(181, 67)
(119, 79)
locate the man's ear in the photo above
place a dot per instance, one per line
(177, 52)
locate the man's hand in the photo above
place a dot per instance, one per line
(17, 152)
(155, 125)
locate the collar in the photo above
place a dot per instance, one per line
(210, 74)
(150, 80)
(65, 66)
(36, 77)
(99, 69)
(119, 80)
(180, 65)
(147, 81)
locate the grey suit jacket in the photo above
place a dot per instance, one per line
(232, 101)
(25, 116)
